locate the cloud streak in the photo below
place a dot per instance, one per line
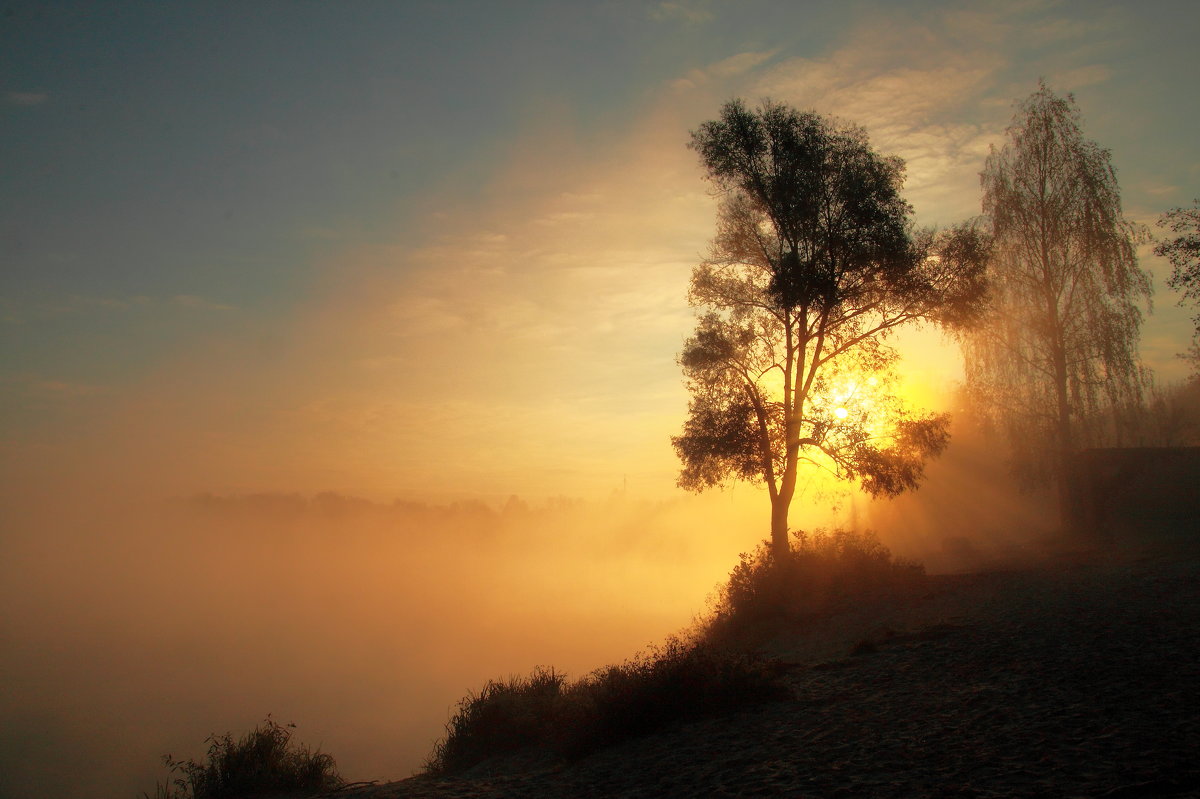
(26, 98)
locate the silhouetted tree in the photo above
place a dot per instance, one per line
(1183, 251)
(1059, 351)
(814, 263)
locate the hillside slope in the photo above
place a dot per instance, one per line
(1078, 678)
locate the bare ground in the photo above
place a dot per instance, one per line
(1080, 677)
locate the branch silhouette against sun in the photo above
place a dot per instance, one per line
(814, 264)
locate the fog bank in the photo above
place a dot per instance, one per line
(137, 629)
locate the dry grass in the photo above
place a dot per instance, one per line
(678, 681)
(263, 762)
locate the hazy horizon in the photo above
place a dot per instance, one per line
(137, 628)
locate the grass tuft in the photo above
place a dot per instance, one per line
(506, 715)
(263, 762)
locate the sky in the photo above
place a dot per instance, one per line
(441, 250)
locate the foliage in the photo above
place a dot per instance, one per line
(1183, 251)
(265, 761)
(814, 264)
(678, 681)
(1058, 348)
(822, 572)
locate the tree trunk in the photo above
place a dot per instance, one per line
(779, 526)
(1067, 509)
(1068, 505)
(780, 504)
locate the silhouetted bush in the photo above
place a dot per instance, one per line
(505, 716)
(683, 679)
(680, 680)
(824, 571)
(263, 762)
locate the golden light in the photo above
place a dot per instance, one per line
(841, 413)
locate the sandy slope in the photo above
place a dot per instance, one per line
(1081, 678)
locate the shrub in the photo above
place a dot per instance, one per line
(678, 681)
(506, 715)
(824, 571)
(263, 762)
(683, 679)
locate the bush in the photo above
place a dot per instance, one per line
(683, 679)
(823, 572)
(505, 716)
(680, 680)
(263, 762)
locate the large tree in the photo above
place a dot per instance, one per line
(815, 263)
(1057, 361)
(1183, 251)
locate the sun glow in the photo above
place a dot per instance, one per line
(867, 403)
(855, 395)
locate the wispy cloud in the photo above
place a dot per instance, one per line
(924, 107)
(1056, 31)
(40, 387)
(322, 233)
(79, 303)
(739, 63)
(1078, 77)
(731, 67)
(199, 303)
(26, 98)
(693, 12)
(1160, 189)
(935, 88)
(559, 217)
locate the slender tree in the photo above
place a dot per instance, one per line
(1183, 251)
(1058, 354)
(814, 264)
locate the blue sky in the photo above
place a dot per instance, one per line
(390, 247)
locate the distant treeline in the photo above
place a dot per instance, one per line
(335, 504)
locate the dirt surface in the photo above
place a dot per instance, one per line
(1077, 678)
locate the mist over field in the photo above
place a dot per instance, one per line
(137, 628)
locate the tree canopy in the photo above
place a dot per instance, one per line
(1183, 251)
(1056, 361)
(814, 264)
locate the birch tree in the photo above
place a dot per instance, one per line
(1057, 359)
